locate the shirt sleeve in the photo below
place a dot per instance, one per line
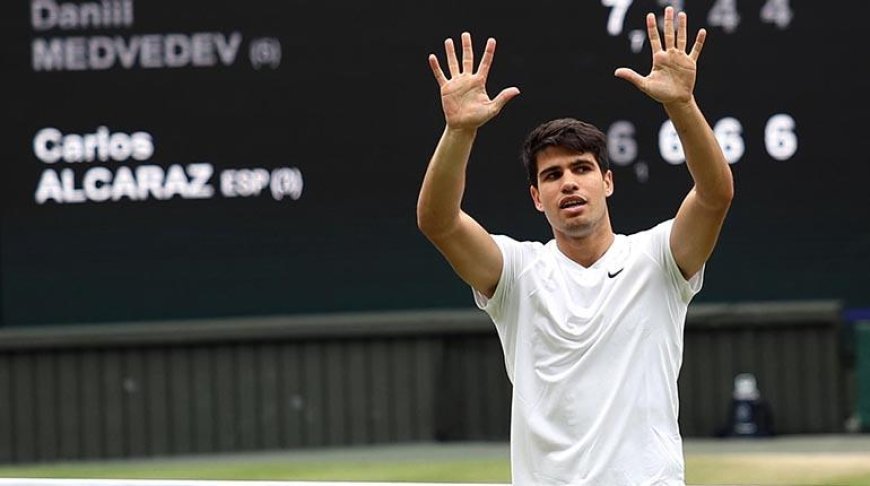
(511, 253)
(660, 240)
(503, 306)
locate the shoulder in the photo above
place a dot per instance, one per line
(653, 243)
(660, 230)
(509, 245)
(519, 256)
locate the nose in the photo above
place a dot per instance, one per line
(569, 185)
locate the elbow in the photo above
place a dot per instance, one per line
(726, 192)
(721, 201)
(428, 223)
(424, 216)
(720, 197)
(424, 223)
(722, 192)
(432, 225)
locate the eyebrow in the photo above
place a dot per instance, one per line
(582, 162)
(575, 163)
(548, 170)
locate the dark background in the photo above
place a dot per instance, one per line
(353, 105)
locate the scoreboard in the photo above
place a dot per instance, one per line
(171, 160)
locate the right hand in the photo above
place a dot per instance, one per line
(463, 97)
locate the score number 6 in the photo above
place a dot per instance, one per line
(728, 133)
(780, 139)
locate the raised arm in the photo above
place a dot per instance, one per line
(467, 246)
(671, 82)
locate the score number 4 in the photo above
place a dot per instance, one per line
(722, 14)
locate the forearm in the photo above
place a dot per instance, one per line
(438, 206)
(714, 184)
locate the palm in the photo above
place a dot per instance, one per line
(672, 78)
(464, 99)
(465, 102)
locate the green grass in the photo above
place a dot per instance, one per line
(779, 469)
(862, 480)
(439, 471)
(761, 469)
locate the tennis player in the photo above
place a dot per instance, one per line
(591, 323)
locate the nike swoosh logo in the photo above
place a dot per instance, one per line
(611, 275)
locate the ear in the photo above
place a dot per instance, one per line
(608, 183)
(536, 198)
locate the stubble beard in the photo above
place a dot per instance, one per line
(577, 227)
(580, 227)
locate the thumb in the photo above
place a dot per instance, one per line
(631, 76)
(506, 95)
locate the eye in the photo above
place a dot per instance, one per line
(552, 175)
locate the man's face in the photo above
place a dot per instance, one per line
(572, 192)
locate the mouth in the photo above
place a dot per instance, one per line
(572, 202)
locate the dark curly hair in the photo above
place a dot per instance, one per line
(568, 133)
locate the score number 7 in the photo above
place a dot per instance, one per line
(723, 14)
(616, 20)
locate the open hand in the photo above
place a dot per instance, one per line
(672, 78)
(463, 97)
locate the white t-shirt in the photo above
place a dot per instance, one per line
(593, 355)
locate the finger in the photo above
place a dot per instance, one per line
(652, 31)
(699, 44)
(669, 28)
(452, 63)
(681, 31)
(486, 60)
(506, 95)
(436, 70)
(467, 54)
(631, 76)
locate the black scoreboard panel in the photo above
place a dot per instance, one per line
(194, 159)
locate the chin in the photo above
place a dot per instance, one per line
(577, 229)
(581, 226)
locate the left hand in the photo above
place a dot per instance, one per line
(672, 78)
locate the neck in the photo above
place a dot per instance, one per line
(586, 249)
